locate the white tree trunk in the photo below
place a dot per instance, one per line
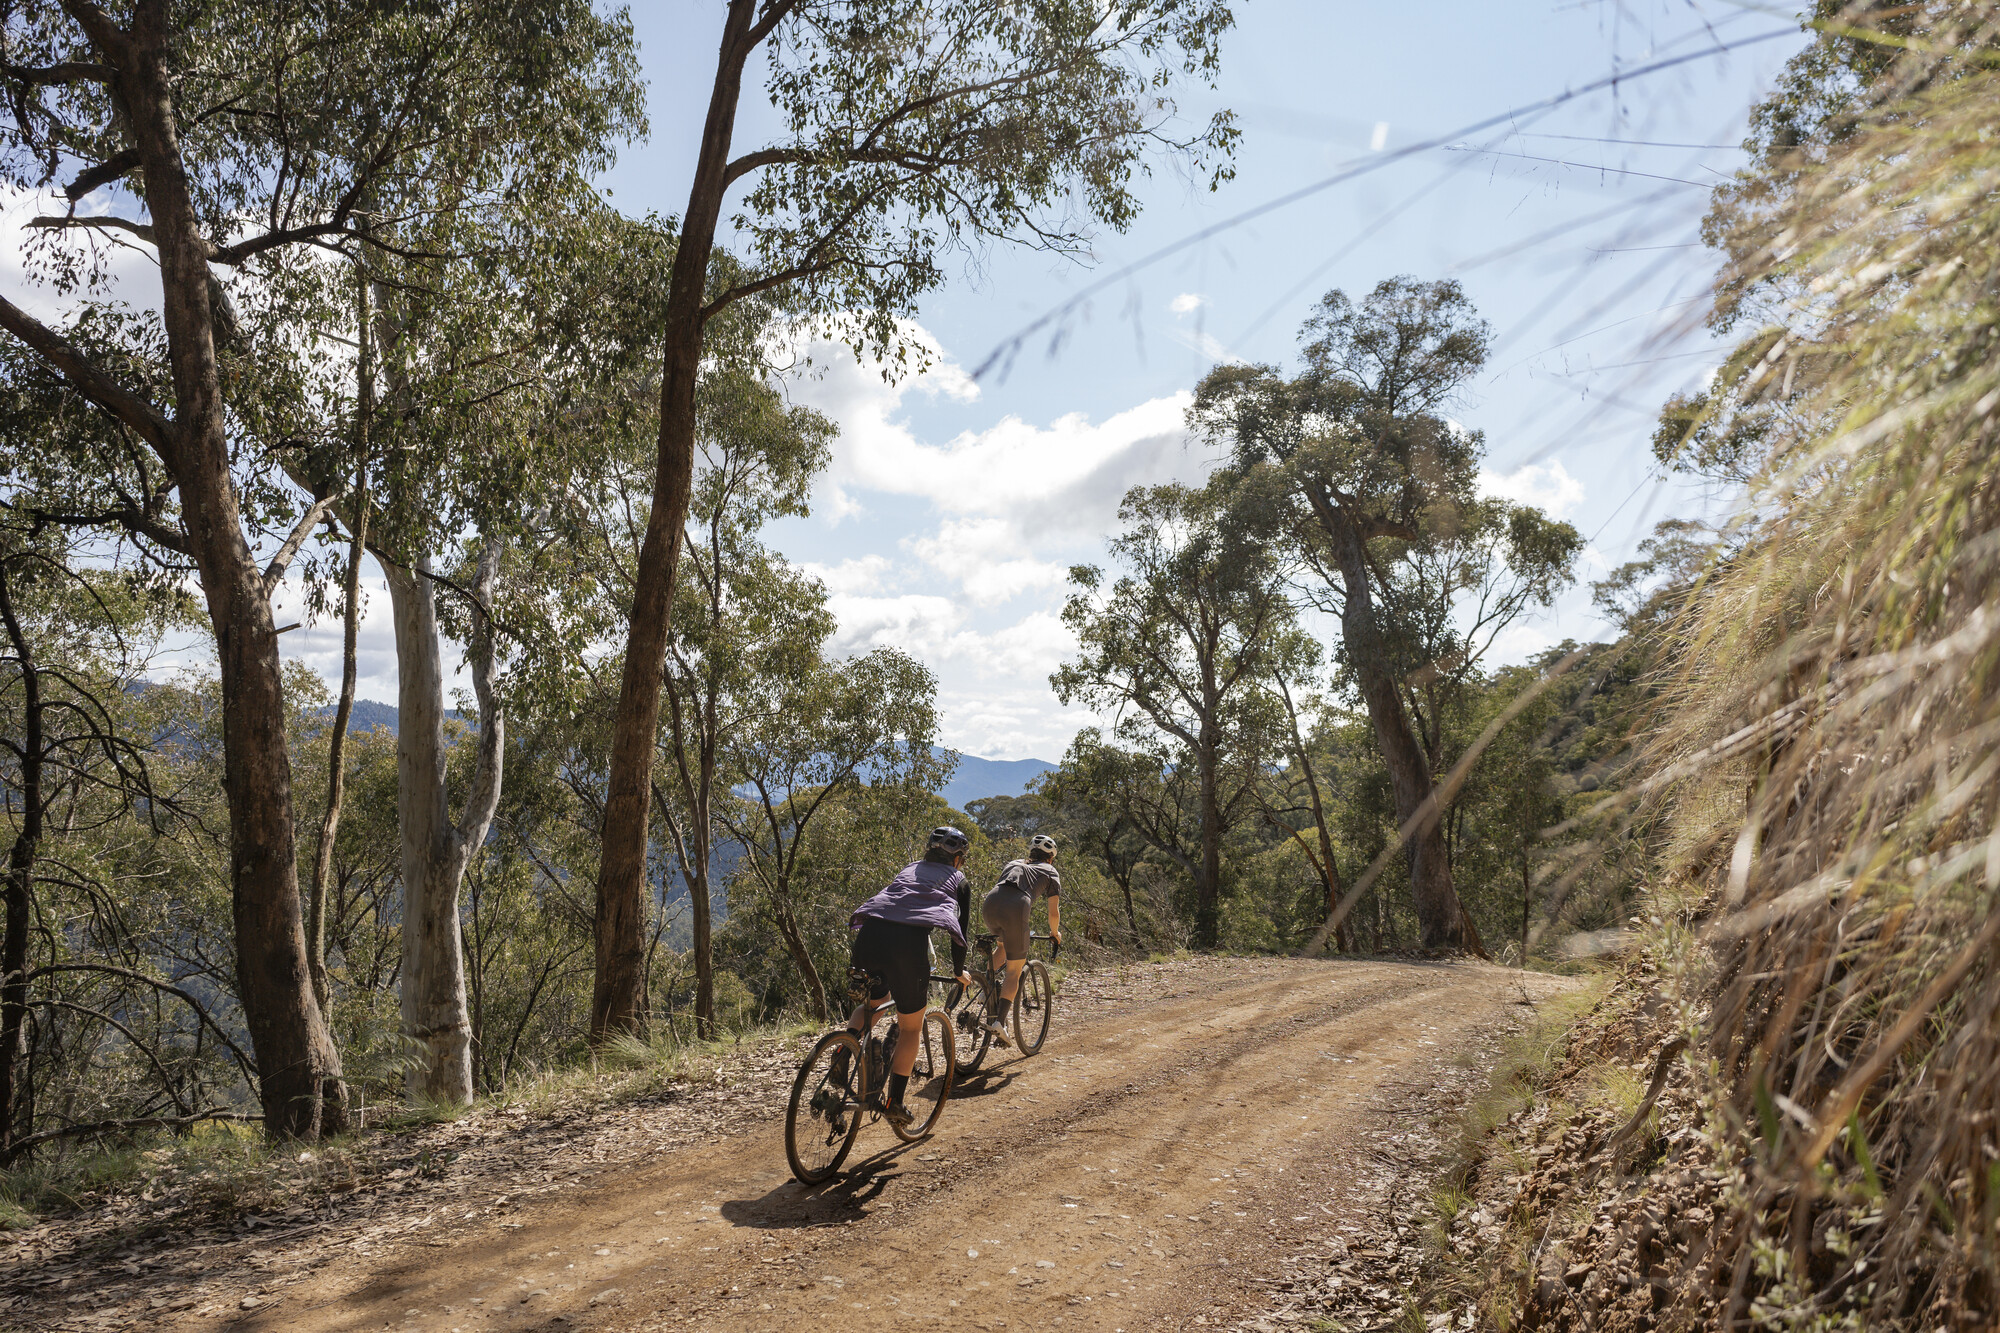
(436, 1021)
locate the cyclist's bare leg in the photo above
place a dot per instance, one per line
(908, 1039)
(1011, 987)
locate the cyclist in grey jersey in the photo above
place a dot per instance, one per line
(1008, 909)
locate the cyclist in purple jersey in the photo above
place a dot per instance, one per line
(892, 944)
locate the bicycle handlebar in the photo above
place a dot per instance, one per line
(986, 941)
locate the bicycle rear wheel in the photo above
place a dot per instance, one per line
(1033, 1007)
(973, 1038)
(930, 1078)
(825, 1111)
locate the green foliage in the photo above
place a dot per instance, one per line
(913, 129)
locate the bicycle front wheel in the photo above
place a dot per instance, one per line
(973, 1038)
(930, 1078)
(1033, 1007)
(825, 1110)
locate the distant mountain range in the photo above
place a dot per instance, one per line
(978, 777)
(974, 779)
(368, 715)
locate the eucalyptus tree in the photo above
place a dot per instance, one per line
(808, 736)
(911, 130)
(1448, 599)
(1174, 647)
(244, 130)
(1373, 491)
(759, 457)
(1121, 801)
(1291, 670)
(492, 367)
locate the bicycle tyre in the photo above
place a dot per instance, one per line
(931, 1078)
(1033, 1007)
(819, 1134)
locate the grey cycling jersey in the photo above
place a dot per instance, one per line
(1037, 879)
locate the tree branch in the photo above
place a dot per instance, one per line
(89, 379)
(774, 14)
(243, 1061)
(300, 531)
(128, 516)
(20, 1146)
(68, 71)
(152, 1056)
(90, 178)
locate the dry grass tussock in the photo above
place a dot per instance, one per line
(1813, 1042)
(1852, 979)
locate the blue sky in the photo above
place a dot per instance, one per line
(954, 507)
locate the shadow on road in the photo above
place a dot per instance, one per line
(835, 1203)
(982, 1084)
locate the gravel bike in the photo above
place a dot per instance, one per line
(843, 1073)
(1032, 1007)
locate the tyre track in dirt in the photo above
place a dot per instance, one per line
(1140, 1173)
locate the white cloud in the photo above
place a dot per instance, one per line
(1029, 649)
(1518, 643)
(1198, 339)
(1207, 344)
(909, 622)
(1547, 486)
(854, 575)
(1021, 723)
(986, 557)
(963, 558)
(1066, 477)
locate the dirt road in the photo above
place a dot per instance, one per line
(1137, 1174)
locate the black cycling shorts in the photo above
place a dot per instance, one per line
(897, 958)
(1009, 912)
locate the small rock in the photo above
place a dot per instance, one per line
(249, 1303)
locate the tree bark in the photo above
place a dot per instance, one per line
(1208, 892)
(619, 989)
(20, 876)
(1439, 914)
(302, 1092)
(436, 1022)
(696, 846)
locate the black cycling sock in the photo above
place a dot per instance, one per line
(1000, 1009)
(897, 1084)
